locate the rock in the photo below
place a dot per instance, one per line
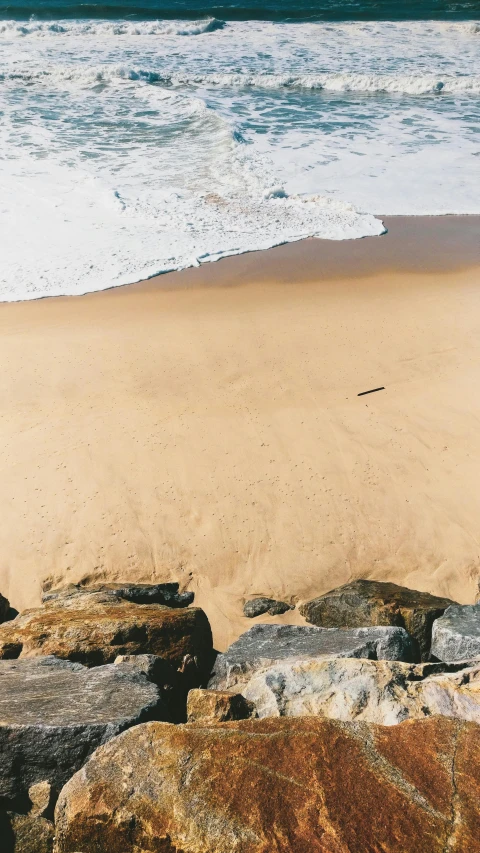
(363, 602)
(137, 593)
(4, 608)
(263, 645)
(456, 635)
(40, 795)
(26, 834)
(217, 706)
(383, 692)
(278, 786)
(86, 629)
(260, 606)
(54, 714)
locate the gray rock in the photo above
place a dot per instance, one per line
(456, 635)
(137, 593)
(260, 606)
(351, 690)
(54, 714)
(364, 602)
(264, 645)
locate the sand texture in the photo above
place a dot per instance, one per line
(212, 434)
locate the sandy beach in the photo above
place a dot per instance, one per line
(206, 426)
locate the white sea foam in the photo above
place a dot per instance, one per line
(104, 29)
(130, 150)
(408, 84)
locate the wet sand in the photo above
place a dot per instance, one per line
(205, 426)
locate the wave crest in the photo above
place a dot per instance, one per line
(410, 84)
(45, 29)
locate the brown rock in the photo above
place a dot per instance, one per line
(278, 786)
(40, 795)
(363, 602)
(92, 631)
(217, 706)
(26, 834)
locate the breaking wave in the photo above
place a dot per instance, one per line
(42, 29)
(410, 84)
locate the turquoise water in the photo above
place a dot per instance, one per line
(244, 10)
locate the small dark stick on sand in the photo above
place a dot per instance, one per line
(372, 391)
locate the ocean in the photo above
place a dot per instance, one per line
(143, 137)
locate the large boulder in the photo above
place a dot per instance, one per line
(54, 714)
(93, 629)
(137, 593)
(278, 786)
(264, 645)
(364, 602)
(456, 636)
(383, 692)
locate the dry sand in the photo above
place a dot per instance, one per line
(206, 426)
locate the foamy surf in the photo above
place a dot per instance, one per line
(141, 147)
(407, 84)
(105, 29)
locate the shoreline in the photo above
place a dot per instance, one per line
(211, 432)
(457, 250)
(445, 243)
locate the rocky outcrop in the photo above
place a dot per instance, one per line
(456, 636)
(364, 602)
(94, 629)
(217, 706)
(54, 714)
(137, 593)
(264, 645)
(278, 786)
(383, 692)
(260, 606)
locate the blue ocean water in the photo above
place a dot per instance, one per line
(141, 137)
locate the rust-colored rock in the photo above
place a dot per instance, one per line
(93, 632)
(217, 706)
(278, 786)
(365, 602)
